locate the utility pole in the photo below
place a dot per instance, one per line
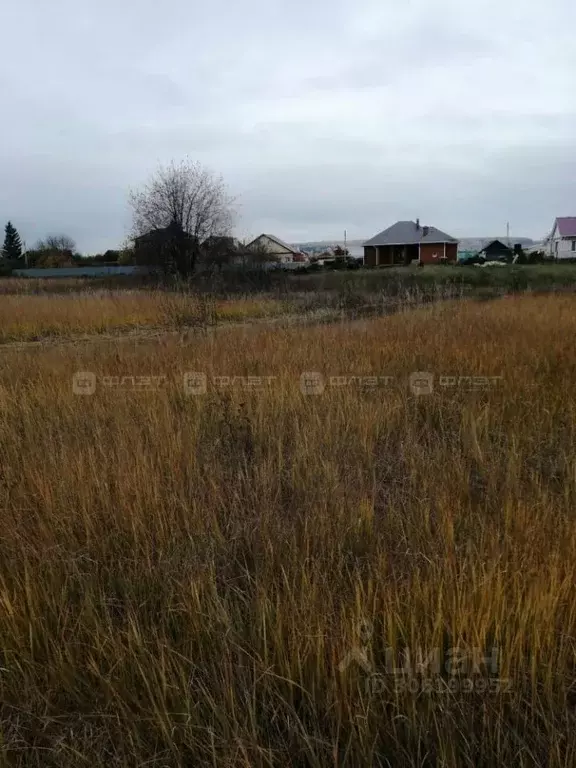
(508, 234)
(345, 240)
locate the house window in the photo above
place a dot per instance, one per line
(574, 245)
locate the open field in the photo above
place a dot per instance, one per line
(36, 310)
(34, 317)
(515, 277)
(183, 575)
(545, 276)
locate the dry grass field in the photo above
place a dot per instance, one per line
(25, 317)
(183, 576)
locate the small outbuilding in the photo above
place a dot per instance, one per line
(496, 250)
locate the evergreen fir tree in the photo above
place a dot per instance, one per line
(12, 249)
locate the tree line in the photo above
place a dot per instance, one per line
(183, 216)
(54, 251)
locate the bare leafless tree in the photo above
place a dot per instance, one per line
(56, 243)
(188, 197)
(257, 255)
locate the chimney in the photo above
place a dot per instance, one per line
(417, 223)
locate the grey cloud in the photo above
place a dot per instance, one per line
(41, 191)
(423, 44)
(320, 116)
(528, 187)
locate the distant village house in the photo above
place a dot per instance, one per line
(408, 241)
(562, 242)
(276, 249)
(496, 250)
(163, 246)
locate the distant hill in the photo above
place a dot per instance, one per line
(318, 245)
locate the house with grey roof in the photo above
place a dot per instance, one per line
(561, 244)
(408, 241)
(276, 249)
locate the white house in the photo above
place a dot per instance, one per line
(278, 250)
(561, 244)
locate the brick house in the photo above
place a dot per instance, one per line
(408, 241)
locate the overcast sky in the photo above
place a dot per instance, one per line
(321, 116)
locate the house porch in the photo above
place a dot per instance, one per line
(392, 255)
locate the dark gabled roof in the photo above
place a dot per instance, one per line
(502, 246)
(566, 226)
(276, 240)
(410, 233)
(161, 232)
(227, 240)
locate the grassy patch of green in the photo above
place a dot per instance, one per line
(394, 280)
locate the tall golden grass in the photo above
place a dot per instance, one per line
(181, 576)
(35, 317)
